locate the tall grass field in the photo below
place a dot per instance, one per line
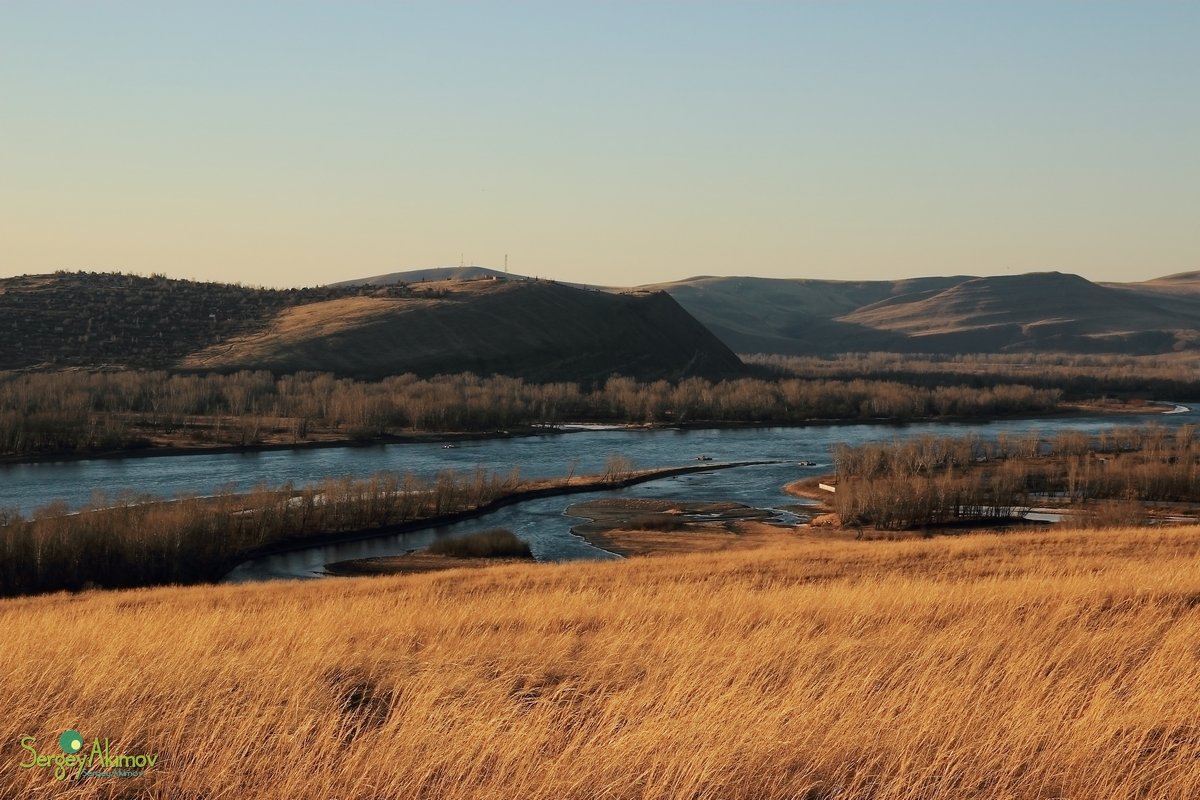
(1061, 664)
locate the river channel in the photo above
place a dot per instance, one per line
(540, 521)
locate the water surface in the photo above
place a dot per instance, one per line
(540, 521)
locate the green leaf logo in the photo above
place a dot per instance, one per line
(71, 741)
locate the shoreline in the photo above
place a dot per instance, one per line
(807, 488)
(414, 563)
(586, 484)
(636, 527)
(432, 437)
(170, 451)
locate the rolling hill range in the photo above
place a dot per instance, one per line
(534, 329)
(1034, 312)
(479, 321)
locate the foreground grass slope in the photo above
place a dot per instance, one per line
(1059, 664)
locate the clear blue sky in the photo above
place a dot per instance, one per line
(295, 143)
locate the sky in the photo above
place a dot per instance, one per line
(619, 143)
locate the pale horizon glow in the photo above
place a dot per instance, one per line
(302, 143)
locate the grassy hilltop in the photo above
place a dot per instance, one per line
(1058, 664)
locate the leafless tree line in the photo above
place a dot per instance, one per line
(133, 540)
(53, 412)
(931, 479)
(1077, 376)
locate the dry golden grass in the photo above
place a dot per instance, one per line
(1059, 664)
(410, 564)
(302, 323)
(695, 538)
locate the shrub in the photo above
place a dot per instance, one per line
(493, 543)
(659, 522)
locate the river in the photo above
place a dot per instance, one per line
(540, 522)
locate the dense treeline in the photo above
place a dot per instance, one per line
(136, 541)
(931, 479)
(76, 411)
(1079, 377)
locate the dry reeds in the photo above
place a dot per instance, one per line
(137, 541)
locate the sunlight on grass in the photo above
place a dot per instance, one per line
(1059, 664)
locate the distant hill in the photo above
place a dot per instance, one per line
(1181, 281)
(534, 329)
(1044, 312)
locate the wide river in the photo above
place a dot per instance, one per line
(540, 522)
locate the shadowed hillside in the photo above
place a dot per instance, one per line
(1040, 311)
(773, 315)
(535, 330)
(1019, 313)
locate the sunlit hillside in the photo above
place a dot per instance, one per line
(1059, 664)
